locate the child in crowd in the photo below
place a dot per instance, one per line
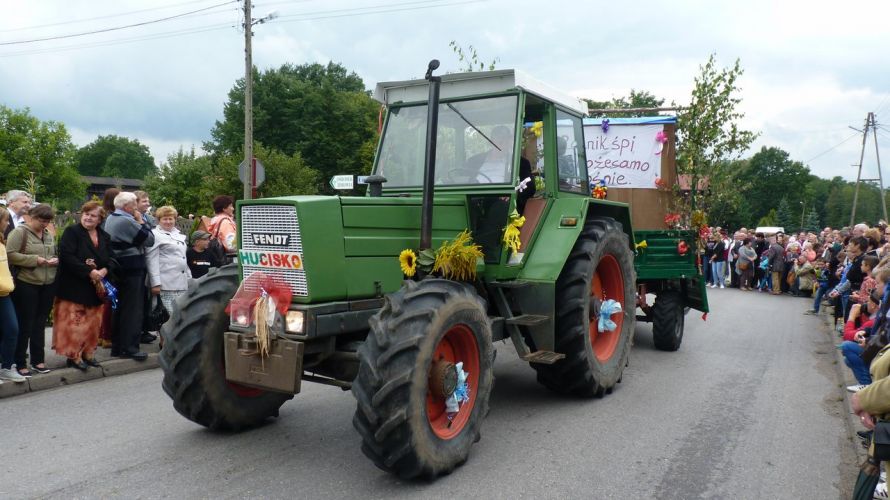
(822, 284)
(869, 262)
(199, 259)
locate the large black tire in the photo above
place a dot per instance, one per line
(668, 321)
(397, 416)
(193, 360)
(593, 361)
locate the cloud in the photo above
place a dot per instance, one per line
(811, 70)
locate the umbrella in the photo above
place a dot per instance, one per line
(869, 475)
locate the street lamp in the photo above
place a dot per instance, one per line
(803, 209)
(249, 23)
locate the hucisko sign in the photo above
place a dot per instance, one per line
(272, 260)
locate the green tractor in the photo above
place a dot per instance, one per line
(406, 348)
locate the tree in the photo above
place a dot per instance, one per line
(811, 223)
(707, 130)
(321, 112)
(636, 99)
(115, 156)
(470, 58)
(190, 182)
(768, 176)
(768, 220)
(42, 148)
(784, 217)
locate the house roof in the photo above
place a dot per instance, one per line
(112, 181)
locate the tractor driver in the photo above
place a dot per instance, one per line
(494, 166)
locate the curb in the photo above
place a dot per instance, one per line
(60, 377)
(845, 376)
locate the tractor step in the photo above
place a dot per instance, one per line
(510, 284)
(543, 357)
(526, 320)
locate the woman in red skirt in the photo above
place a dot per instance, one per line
(85, 257)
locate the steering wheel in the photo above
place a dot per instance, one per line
(463, 175)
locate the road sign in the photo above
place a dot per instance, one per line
(342, 182)
(361, 179)
(244, 172)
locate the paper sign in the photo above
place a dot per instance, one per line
(625, 156)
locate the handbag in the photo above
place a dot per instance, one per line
(881, 441)
(873, 346)
(744, 265)
(158, 314)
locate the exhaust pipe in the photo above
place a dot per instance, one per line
(429, 167)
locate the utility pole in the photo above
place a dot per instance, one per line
(249, 23)
(248, 96)
(869, 123)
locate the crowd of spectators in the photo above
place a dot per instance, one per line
(97, 278)
(846, 271)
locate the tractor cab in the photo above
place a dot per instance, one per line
(504, 141)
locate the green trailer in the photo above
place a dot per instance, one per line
(417, 351)
(622, 153)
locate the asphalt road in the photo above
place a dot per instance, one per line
(749, 407)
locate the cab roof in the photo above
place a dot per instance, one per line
(476, 83)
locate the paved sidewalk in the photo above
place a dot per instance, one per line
(62, 375)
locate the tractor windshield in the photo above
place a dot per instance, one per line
(475, 143)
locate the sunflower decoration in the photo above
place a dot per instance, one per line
(456, 259)
(511, 232)
(408, 262)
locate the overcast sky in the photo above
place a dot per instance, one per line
(812, 69)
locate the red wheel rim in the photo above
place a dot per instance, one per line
(457, 345)
(608, 283)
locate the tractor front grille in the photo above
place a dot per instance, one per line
(261, 228)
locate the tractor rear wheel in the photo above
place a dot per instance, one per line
(668, 321)
(600, 267)
(193, 360)
(421, 332)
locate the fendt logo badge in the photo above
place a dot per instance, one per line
(271, 239)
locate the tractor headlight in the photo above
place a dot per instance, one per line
(294, 321)
(240, 314)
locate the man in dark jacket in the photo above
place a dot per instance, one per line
(130, 236)
(776, 258)
(760, 245)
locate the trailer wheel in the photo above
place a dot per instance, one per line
(668, 321)
(599, 267)
(421, 331)
(193, 360)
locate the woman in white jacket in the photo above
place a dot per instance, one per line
(168, 270)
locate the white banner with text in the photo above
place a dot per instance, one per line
(624, 156)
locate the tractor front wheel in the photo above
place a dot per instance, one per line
(193, 360)
(600, 267)
(407, 370)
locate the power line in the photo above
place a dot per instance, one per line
(109, 16)
(351, 12)
(117, 28)
(832, 148)
(201, 29)
(883, 103)
(120, 41)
